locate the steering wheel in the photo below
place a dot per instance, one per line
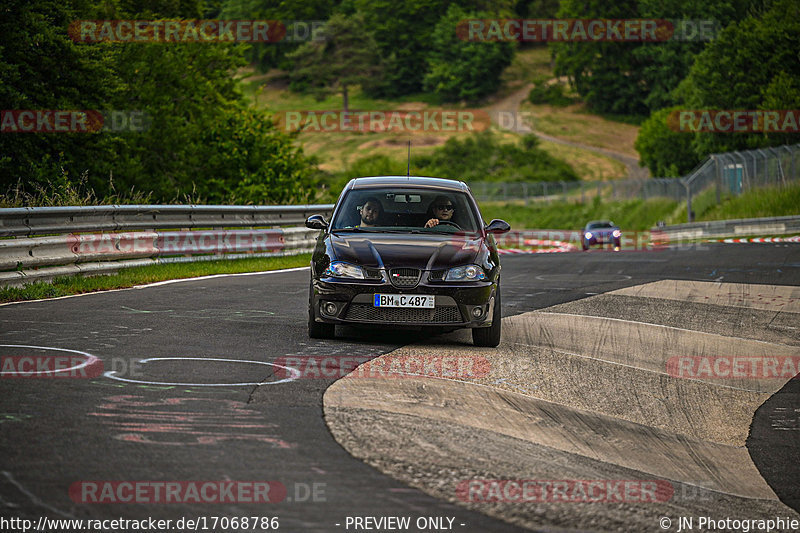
(450, 222)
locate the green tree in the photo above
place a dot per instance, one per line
(666, 63)
(403, 32)
(345, 57)
(606, 74)
(665, 151)
(202, 140)
(273, 55)
(463, 70)
(753, 64)
(42, 69)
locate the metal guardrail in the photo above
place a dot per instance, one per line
(30, 221)
(103, 239)
(717, 229)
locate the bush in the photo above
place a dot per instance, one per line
(550, 93)
(480, 157)
(483, 157)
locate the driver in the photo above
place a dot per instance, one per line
(371, 212)
(441, 209)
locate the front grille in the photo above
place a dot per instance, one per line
(441, 314)
(404, 277)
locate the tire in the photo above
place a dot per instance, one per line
(489, 337)
(318, 330)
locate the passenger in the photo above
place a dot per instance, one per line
(371, 212)
(441, 209)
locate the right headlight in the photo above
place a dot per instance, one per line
(340, 269)
(465, 273)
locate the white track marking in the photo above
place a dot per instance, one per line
(90, 360)
(294, 371)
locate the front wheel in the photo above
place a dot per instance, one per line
(318, 330)
(489, 337)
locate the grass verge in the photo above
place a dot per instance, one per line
(628, 214)
(129, 277)
(638, 214)
(756, 203)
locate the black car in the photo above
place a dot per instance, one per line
(601, 232)
(406, 251)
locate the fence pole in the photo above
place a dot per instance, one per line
(689, 214)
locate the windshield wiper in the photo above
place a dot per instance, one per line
(353, 229)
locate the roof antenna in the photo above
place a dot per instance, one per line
(408, 171)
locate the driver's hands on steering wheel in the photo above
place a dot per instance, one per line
(435, 222)
(432, 222)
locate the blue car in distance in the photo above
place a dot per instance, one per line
(601, 232)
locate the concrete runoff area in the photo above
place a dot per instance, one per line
(572, 394)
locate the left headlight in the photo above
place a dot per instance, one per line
(465, 273)
(339, 269)
(616, 234)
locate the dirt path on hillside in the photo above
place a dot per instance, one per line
(512, 102)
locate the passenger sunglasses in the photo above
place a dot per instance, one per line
(444, 207)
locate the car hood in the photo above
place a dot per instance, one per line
(602, 231)
(390, 250)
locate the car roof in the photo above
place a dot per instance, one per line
(600, 222)
(407, 181)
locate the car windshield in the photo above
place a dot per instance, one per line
(601, 225)
(407, 210)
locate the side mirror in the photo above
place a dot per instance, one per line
(497, 227)
(316, 222)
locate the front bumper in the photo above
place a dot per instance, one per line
(453, 308)
(601, 241)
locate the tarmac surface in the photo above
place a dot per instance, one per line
(144, 411)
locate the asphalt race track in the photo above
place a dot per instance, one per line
(143, 412)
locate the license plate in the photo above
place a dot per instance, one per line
(414, 301)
